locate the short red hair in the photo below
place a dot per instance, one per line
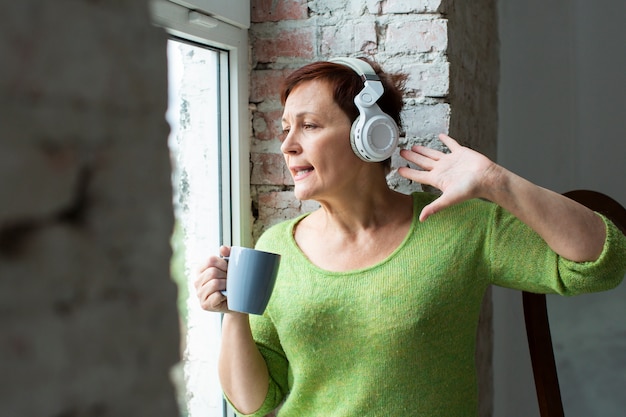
(346, 85)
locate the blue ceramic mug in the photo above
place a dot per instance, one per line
(250, 279)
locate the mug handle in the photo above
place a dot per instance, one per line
(224, 292)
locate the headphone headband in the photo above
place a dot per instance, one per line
(362, 68)
(374, 134)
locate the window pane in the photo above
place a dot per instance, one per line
(194, 113)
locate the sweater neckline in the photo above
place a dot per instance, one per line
(306, 261)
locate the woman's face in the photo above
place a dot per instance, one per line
(316, 143)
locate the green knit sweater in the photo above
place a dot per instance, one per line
(398, 338)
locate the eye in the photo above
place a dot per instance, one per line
(283, 134)
(309, 126)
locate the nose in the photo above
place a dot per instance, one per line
(290, 144)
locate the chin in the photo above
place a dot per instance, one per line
(301, 194)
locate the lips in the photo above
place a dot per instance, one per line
(300, 172)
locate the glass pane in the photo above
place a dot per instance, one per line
(195, 144)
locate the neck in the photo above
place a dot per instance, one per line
(364, 208)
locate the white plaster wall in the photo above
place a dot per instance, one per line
(562, 123)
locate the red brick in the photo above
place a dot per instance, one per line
(274, 11)
(265, 85)
(267, 125)
(293, 43)
(277, 206)
(269, 169)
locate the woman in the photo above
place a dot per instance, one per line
(376, 305)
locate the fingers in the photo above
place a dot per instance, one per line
(420, 177)
(211, 280)
(426, 213)
(214, 268)
(445, 200)
(432, 208)
(415, 156)
(213, 261)
(224, 250)
(425, 157)
(449, 142)
(211, 298)
(443, 170)
(427, 152)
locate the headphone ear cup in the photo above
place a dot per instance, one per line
(374, 136)
(355, 132)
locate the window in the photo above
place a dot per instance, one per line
(207, 113)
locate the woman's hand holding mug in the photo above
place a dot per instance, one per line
(211, 281)
(251, 277)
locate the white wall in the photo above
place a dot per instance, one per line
(562, 123)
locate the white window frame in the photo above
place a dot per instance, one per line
(234, 12)
(199, 27)
(222, 25)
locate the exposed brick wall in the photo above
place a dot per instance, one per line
(411, 38)
(86, 213)
(88, 316)
(448, 48)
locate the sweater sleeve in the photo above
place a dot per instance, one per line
(521, 259)
(267, 340)
(267, 343)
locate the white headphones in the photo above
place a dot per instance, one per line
(374, 134)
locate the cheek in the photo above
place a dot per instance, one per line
(342, 162)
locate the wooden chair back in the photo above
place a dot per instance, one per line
(536, 315)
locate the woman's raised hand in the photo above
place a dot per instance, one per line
(211, 280)
(461, 175)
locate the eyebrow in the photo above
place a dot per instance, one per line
(300, 115)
